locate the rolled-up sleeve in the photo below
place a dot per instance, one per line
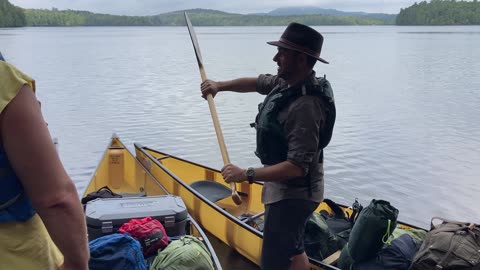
(266, 82)
(305, 117)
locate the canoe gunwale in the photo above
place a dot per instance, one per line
(141, 148)
(195, 224)
(144, 149)
(190, 189)
(195, 228)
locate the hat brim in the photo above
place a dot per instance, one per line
(287, 46)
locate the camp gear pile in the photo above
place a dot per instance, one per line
(369, 239)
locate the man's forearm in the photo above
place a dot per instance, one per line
(241, 85)
(279, 172)
(65, 223)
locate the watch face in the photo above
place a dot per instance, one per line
(250, 172)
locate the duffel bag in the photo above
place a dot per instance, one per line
(397, 256)
(149, 232)
(116, 252)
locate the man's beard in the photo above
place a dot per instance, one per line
(284, 73)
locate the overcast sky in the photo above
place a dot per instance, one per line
(153, 7)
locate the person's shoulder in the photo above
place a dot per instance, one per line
(12, 81)
(4, 67)
(267, 82)
(322, 84)
(319, 80)
(8, 70)
(307, 103)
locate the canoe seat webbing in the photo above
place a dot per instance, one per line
(211, 190)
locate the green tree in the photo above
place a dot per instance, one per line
(10, 15)
(441, 12)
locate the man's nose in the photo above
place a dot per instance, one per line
(275, 57)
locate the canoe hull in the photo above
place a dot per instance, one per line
(123, 173)
(219, 218)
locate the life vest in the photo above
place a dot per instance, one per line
(272, 146)
(15, 206)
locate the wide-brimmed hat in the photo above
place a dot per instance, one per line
(301, 38)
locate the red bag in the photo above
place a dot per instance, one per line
(149, 232)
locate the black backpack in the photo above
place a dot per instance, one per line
(326, 233)
(103, 192)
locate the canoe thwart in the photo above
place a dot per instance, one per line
(211, 190)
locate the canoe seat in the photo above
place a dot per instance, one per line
(332, 258)
(211, 190)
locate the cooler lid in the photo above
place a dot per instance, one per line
(124, 209)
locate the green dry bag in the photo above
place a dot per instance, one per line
(186, 253)
(370, 232)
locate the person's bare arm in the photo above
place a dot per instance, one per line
(33, 156)
(240, 85)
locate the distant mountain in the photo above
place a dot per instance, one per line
(13, 16)
(310, 10)
(200, 11)
(209, 17)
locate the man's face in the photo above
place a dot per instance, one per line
(287, 63)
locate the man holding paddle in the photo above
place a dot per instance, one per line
(294, 124)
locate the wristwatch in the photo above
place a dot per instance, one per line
(250, 175)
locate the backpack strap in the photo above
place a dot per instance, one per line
(432, 226)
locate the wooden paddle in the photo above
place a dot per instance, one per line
(223, 149)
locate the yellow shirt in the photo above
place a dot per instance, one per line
(11, 81)
(23, 245)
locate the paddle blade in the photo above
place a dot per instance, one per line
(193, 37)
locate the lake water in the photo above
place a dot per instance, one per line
(407, 99)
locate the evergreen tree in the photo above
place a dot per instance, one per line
(10, 15)
(441, 12)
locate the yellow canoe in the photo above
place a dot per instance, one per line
(217, 212)
(123, 173)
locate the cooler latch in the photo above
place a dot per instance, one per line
(107, 227)
(169, 221)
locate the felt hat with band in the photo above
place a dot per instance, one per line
(301, 38)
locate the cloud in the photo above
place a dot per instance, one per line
(152, 7)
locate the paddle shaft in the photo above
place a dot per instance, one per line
(213, 111)
(216, 123)
(218, 129)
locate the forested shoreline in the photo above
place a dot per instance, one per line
(10, 15)
(201, 17)
(436, 12)
(441, 12)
